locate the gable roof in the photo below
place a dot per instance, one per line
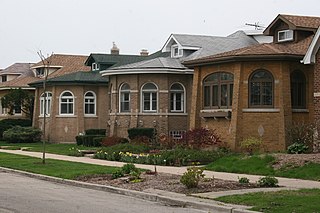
(75, 78)
(260, 51)
(18, 69)
(295, 22)
(310, 57)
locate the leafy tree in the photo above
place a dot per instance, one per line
(19, 97)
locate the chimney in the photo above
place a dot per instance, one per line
(114, 50)
(144, 52)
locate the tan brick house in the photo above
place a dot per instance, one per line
(259, 91)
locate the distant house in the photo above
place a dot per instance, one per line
(15, 76)
(260, 90)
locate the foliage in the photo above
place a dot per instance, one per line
(139, 132)
(192, 177)
(127, 147)
(6, 124)
(20, 134)
(129, 167)
(251, 144)
(268, 181)
(75, 152)
(113, 140)
(243, 180)
(19, 97)
(117, 174)
(301, 133)
(297, 148)
(201, 137)
(89, 140)
(95, 132)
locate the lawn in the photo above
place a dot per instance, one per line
(304, 201)
(262, 165)
(56, 168)
(62, 149)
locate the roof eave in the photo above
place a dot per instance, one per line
(146, 71)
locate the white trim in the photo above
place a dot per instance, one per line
(94, 102)
(48, 107)
(44, 66)
(142, 98)
(215, 110)
(66, 116)
(316, 94)
(120, 96)
(300, 110)
(163, 91)
(286, 33)
(73, 104)
(146, 71)
(146, 113)
(260, 110)
(8, 88)
(184, 99)
(310, 57)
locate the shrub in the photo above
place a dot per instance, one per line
(6, 124)
(75, 152)
(192, 177)
(95, 131)
(117, 174)
(128, 168)
(127, 147)
(297, 148)
(201, 137)
(243, 180)
(301, 133)
(139, 132)
(89, 140)
(20, 134)
(251, 144)
(113, 140)
(268, 181)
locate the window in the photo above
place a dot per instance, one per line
(261, 89)
(285, 35)
(66, 103)
(124, 98)
(176, 52)
(149, 98)
(40, 71)
(176, 98)
(89, 103)
(298, 90)
(3, 78)
(177, 134)
(45, 106)
(218, 90)
(94, 66)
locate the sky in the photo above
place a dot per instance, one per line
(82, 27)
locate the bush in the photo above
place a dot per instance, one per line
(297, 148)
(140, 132)
(127, 147)
(201, 137)
(243, 180)
(113, 140)
(268, 181)
(6, 124)
(20, 134)
(301, 133)
(89, 140)
(95, 132)
(128, 168)
(117, 174)
(192, 177)
(251, 144)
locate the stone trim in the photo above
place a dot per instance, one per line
(260, 110)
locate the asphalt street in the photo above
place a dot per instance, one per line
(21, 194)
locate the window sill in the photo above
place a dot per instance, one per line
(300, 110)
(90, 116)
(263, 110)
(66, 116)
(216, 113)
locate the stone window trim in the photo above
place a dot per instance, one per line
(90, 104)
(124, 98)
(66, 99)
(48, 97)
(149, 98)
(261, 89)
(177, 98)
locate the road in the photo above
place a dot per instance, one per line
(21, 194)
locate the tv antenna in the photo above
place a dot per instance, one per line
(256, 25)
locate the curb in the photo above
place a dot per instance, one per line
(138, 194)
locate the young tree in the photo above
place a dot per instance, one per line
(19, 98)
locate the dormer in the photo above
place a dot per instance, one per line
(180, 45)
(289, 28)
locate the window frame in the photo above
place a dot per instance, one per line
(286, 33)
(173, 99)
(218, 85)
(68, 103)
(179, 51)
(151, 93)
(298, 89)
(122, 102)
(48, 105)
(261, 87)
(94, 103)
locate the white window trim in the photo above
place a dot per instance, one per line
(73, 103)
(94, 66)
(48, 106)
(286, 32)
(180, 51)
(94, 102)
(184, 98)
(120, 97)
(142, 98)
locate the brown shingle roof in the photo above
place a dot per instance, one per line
(303, 21)
(266, 50)
(68, 64)
(22, 82)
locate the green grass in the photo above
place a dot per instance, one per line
(300, 201)
(62, 149)
(262, 165)
(56, 168)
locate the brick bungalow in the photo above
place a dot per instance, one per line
(261, 90)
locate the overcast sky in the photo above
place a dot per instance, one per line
(90, 26)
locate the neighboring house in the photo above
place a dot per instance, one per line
(260, 90)
(15, 76)
(156, 92)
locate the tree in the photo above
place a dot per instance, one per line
(19, 98)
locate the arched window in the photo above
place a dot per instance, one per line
(176, 98)
(149, 97)
(218, 90)
(261, 89)
(90, 103)
(45, 103)
(66, 103)
(125, 98)
(298, 90)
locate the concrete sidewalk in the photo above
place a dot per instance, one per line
(285, 182)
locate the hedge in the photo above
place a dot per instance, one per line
(6, 124)
(95, 132)
(89, 140)
(141, 132)
(19, 134)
